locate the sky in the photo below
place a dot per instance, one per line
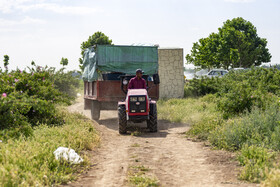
(47, 30)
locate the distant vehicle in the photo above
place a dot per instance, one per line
(216, 73)
(200, 74)
(237, 69)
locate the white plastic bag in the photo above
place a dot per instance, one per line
(67, 154)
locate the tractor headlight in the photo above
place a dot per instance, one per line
(133, 99)
(141, 99)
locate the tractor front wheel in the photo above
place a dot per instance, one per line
(122, 119)
(152, 122)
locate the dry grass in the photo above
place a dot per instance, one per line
(30, 161)
(189, 110)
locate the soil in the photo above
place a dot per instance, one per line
(172, 158)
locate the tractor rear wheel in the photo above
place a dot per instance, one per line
(152, 122)
(122, 119)
(95, 110)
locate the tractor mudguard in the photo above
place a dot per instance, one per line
(153, 102)
(121, 103)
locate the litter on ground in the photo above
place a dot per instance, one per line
(67, 154)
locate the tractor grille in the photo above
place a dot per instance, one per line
(137, 104)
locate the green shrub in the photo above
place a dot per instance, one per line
(209, 98)
(256, 162)
(200, 87)
(240, 91)
(256, 128)
(238, 101)
(29, 99)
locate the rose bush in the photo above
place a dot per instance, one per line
(29, 99)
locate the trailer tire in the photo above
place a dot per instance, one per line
(87, 104)
(122, 119)
(95, 110)
(152, 122)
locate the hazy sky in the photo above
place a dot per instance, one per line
(47, 30)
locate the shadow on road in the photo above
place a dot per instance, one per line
(140, 129)
(111, 123)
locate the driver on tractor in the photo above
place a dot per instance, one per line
(137, 82)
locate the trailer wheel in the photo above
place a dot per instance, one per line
(152, 122)
(95, 110)
(87, 104)
(122, 119)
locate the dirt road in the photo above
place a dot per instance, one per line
(170, 157)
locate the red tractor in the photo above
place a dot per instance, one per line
(137, 107)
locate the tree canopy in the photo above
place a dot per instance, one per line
(64, 61)
(235, 45)
(98, 38)
(6, 61)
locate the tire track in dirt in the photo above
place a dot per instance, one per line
(173, 159)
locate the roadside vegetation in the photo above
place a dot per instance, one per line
(30, 161)
(34, 123)
(139, 176)
(238, 112)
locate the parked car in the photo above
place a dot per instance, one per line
(238, 69)
(216, 73)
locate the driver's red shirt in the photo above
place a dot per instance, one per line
(136, 83)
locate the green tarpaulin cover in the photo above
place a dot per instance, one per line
(124, 59)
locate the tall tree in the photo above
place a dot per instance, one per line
(98, 38)
(235, 45)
